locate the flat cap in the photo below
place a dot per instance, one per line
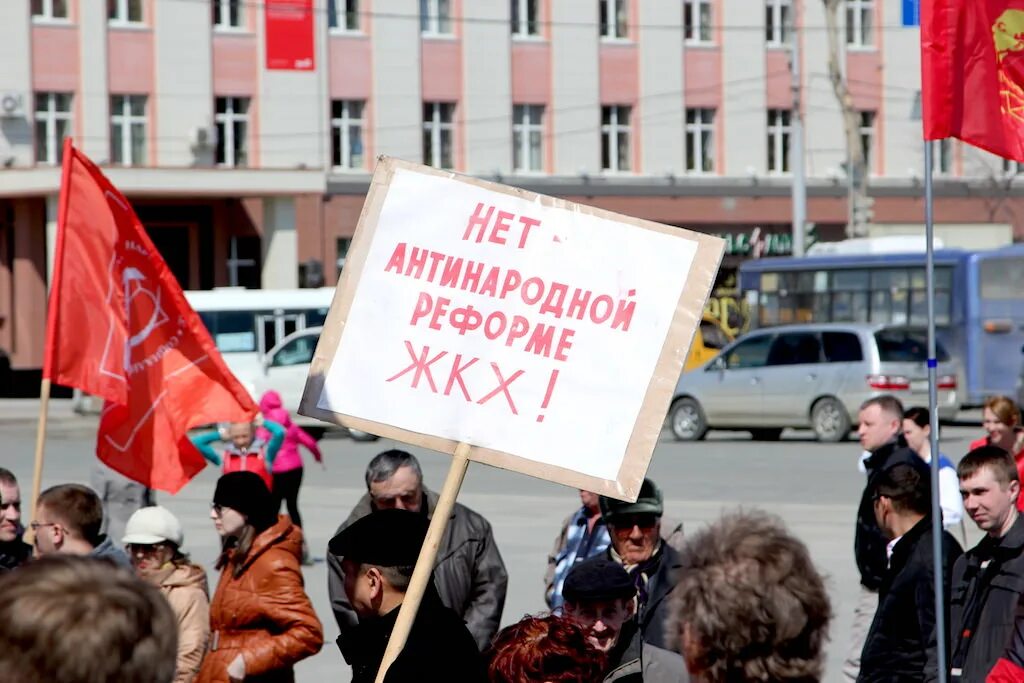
(386, 538)
(649, 502)
(597, 579)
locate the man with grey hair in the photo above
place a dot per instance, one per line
(469, 573)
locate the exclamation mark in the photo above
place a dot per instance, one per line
(547, 394)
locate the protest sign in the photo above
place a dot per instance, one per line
(546, 334)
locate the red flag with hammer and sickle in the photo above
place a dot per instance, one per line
(972, 73)
(119, 327)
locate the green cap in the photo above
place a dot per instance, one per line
(649, 502)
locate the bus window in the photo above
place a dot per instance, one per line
(1002, 279)
(232, 331)
(316, 318)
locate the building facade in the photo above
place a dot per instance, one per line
(245, 132)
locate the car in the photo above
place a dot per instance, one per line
(812, 375)
(285, 368)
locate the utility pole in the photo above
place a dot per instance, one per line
(796, 132)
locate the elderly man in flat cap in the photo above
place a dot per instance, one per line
(379, 553)
(600, 597)
(635, 530)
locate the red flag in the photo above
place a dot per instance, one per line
(972, 73)
(119, 327)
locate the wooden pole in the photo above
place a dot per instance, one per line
(425, 562)
(37, 472)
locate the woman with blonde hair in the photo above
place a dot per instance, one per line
(1002, 423)
(261, 620)
(153, 539)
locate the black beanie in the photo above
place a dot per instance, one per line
(247, 493)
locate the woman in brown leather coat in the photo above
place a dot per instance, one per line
(261, 620)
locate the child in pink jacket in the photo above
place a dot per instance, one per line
(287, 468)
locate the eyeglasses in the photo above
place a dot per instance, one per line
(627, 522)
(36, 526)
(217, 509)
(142, 548)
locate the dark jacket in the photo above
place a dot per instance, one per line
(901, 645)
(14, 554)
(654, 612)
(634, 661)
(869, 541)
(439, 647)
(984, 602)
(469, 573)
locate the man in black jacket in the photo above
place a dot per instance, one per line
(14, 552)
(469, 573)
(652, 564)
(880, 431)
(901, 645)
(988, 580)
(380, 552)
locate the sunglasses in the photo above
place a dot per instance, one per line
(627, 522)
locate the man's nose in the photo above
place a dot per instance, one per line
(599, 626)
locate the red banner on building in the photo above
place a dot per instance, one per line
(290, 35)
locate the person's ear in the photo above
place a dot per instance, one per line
(630, 608)
(1015, 490)
(376, 583)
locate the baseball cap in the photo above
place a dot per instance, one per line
(649, 502)
(155, 524)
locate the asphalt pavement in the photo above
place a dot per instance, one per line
(813, 487)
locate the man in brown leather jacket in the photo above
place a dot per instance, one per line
(469, 573)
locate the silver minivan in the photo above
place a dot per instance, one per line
(814, 375)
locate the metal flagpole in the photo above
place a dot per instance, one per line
(933, 402)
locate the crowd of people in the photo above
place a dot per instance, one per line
(630, 597)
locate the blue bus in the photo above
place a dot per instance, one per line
(979, 303)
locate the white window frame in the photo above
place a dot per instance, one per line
(780, 139)
(524, 129)
(225, 11)
(342, 10)
(121, 13)
(435, 126)
(697, 25)
(859, 35)
(866, 133)
(702, 124)
(121, 123)
(341, 126)
(522, 19)
(46, 13)
(50, 116)
(432, 21)
(778, 18)
(225, 124)
(613, 9)
(619, 127)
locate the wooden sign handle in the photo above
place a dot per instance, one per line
(425, 562)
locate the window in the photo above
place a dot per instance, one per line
(944, 159)
(244, 266)
(777, 18)
(227, 14)
(124, 11)
(697, 21)
(700, 147)
(841, 347)
(50, 9)
(615, 135)
(905, 346)
(524, 18)
(342, 246)
(749, 353)
(867, 136)
(778, 140)
(435, 17)
(1011, 167)
(438, 134)
(347, 127)
(232, 119)
(128, 130)
(860, 23)
(53, 124)
(795, 349)
(613, 18)
(298, 351)
(1002, 279)
(527, 137)
(343, 15)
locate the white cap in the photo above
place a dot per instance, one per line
(155, 524)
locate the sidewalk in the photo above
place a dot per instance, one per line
(21, 410)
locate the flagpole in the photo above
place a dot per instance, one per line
(933, 402)
(51, 330)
